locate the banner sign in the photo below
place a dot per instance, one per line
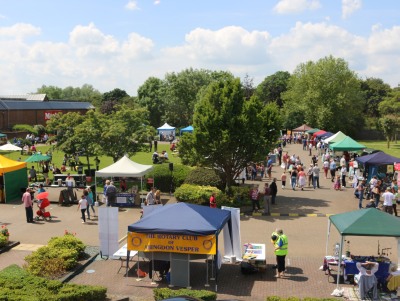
(188, 244)
(48, 114)
(396, 166)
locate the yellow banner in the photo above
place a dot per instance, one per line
(188, 244)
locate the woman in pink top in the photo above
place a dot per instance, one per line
(302, 179)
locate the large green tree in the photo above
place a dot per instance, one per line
(150, 97)
(272, 87)
(84, 93)
(327, 93)
(374, 91)
(389, 109)
(181, 92)
(230, 131)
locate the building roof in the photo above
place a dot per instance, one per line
(37, 97)
(43, 105)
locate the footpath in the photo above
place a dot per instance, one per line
(303, 216)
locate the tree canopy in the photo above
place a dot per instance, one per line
(230, 131)
(272, 87)
(327, 94)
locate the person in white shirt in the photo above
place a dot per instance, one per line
(366, 279)
(388, 199)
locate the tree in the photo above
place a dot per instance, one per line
(111, 99)
(272, 87)
(63, 126)
(51, 92)
(374, 90)
(389, 108)
(229, 131)
(327, 93)
(85, 93)
(149, 97)
(124, 131)
(181, 92)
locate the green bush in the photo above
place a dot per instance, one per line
(68, 241)
(163, 293)
(3, 240)
(195, 194)
(17, 284)
(24, 128)
(51, 262)
(204, 177)
(162, 176)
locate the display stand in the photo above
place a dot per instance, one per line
(121, 255)
(108, 231)
(255, 255)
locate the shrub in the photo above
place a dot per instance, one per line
(195, 194)
(204, 177)
(23, 128)
(3, 240)
(17, 284)
(68, 241)
(162, 176)
(51, 262)
(164, 293)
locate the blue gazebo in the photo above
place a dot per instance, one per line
(188, 129)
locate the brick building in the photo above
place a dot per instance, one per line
(34, 109)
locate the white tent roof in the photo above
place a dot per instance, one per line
(10, 147)
(124, 167)
(335, 138)
(166, 127)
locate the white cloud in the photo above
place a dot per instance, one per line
(156, 2)
(132, 5)
(106, 62)
(349, 7)
(19, 30)
(296, 6)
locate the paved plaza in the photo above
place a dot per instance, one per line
(301, 214)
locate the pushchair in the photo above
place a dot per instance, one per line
(42, 213)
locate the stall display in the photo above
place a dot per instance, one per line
(254, 254)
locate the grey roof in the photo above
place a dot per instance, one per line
(37, 97)
(44, 105)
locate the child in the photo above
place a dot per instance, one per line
(283, 179)
(83, 204)
(337, 185)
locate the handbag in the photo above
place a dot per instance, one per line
(283, 165)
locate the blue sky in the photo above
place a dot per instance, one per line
(119, 44)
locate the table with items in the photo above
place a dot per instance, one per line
(254, 254)
(349, 266)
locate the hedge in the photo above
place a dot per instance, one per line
(18, 284)
(162, 176)
(204, 177)
(164, 293)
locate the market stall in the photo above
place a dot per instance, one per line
(13, 177)
(125, 167)
(178, 233)
(166, 132)
(302, 128)
(335, 138)
(346, 144)
(373, 161)
(366, 222)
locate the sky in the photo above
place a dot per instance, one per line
(121, 43)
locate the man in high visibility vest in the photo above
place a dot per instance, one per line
(281, 250)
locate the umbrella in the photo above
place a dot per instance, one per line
(10, 147)
(42, 195)
(37, 157)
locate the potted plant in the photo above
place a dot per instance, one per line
(4, 236)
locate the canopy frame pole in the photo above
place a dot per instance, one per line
(340, 261)
(327, 237)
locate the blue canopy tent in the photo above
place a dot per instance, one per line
(324, 135)
(188, 129)
(166, 130)
(183, 219)
(372, 161)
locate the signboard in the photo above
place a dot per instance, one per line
(188, 244)
(126, 199)
(49, 114)
(389, 168)
(396, 166)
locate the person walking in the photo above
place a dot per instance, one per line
(32, 174)
(254, 195)
(283, 179)
(280, 250)
(361, 189)
(274, 191)
(28, 204)
(82, 205)
(316, 176)
(90, 202)
(293, 178)
(332, 169)
(343, 172)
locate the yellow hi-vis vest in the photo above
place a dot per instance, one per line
(283, 250)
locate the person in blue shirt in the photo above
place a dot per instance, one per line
(332, 168)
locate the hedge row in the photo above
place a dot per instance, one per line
(164, 293)
(16, 284)
(164, 177)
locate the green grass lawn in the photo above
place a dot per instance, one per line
(394, 149)
(140, 157)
